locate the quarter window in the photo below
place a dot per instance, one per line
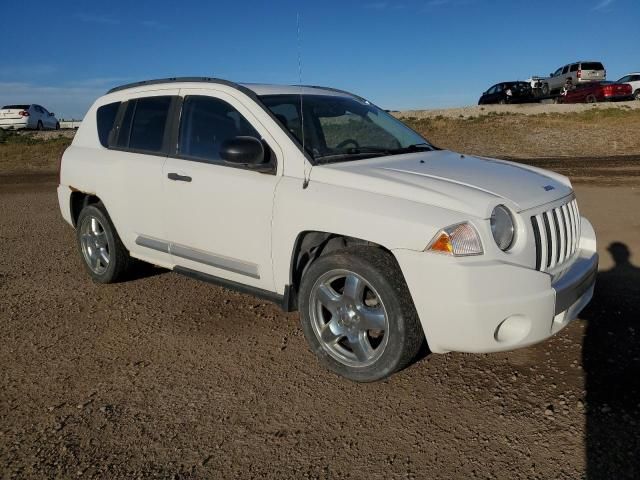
(206, 123)
(565, 69)
(105, 118)
(574, 67)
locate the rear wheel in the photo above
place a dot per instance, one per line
(591, 99)
(545, 89)
(40, 126)
(357, 314)
(105, 257)
(636, 94)
(57, 125)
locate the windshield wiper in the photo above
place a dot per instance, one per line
(360, 153)
(416, 147)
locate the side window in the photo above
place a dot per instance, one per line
(557, 72)
(635, 78)
(492, 90)
(148, 124)
(574, 67)
(125, 126)
(205, 124)
(105, 117)
(499, 88)
(565, 69)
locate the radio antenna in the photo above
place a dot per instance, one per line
(305, 182)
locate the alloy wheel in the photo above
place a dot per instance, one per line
(349, 318)
(94, 244)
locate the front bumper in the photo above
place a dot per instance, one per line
(482, 306)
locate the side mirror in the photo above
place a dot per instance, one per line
(51, 114)
(243, 151)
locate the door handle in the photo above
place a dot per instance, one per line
(179, 178)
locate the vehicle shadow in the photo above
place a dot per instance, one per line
(611, 361)
(141, 270)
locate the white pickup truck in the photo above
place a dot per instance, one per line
(317, 199)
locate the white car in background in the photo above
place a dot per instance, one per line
(378, 238)
(24, 116)
(632, 79)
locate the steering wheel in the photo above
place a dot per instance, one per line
(346, 142)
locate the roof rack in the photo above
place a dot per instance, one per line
(337, 90)
(174, 80)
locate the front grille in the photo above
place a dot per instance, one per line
(557, 233)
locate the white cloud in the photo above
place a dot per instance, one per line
(603, 4)
(95, 18)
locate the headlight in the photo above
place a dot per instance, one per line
(459, 240)
(503, 227)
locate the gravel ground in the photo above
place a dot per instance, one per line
(523, 109)
(165, 377)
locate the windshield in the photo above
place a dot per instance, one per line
(338, 129)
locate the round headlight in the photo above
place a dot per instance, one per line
(503, 227)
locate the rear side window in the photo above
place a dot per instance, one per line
(105, 117)
(149, 120)
(143, 125)
(206, 123)
(574, 67)
(592, 66)
(565, 69)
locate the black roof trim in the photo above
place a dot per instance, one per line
(337, 90)
(174, 80)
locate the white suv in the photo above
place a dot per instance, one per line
(632, 79)
(320, 201)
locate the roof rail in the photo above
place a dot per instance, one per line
(173, 80)
(331, 89)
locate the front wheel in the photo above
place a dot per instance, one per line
(636, 94)
(592, 99)
(545, 89)
(357, 314)
(106, 259)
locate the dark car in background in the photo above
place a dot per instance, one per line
(507, 92)
(597, 92)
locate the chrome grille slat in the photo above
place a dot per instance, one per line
(554, 238)
(557, 235)
(569, 229)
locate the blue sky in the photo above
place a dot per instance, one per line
(399, 54)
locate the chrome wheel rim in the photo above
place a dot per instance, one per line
(349, 318)
(94, 245)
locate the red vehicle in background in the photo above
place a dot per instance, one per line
(597, 92)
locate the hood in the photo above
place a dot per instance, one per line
(456, 182)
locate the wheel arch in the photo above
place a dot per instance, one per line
(310, 245)
(80, 200)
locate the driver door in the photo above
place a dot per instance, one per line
(218, 216)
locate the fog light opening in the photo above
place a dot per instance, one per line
(513, 329)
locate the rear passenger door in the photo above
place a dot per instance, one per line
(139, 144)
(219, 215)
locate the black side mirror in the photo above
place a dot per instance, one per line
(243, 151)
(51, 114)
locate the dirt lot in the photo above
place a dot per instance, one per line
(165, 377)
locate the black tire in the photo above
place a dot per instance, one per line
(636, 94)
(57, 126)
(380, 270)
(591, 99)
(502, 102)
(545, 89)
(39, 126)
(120, 262)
